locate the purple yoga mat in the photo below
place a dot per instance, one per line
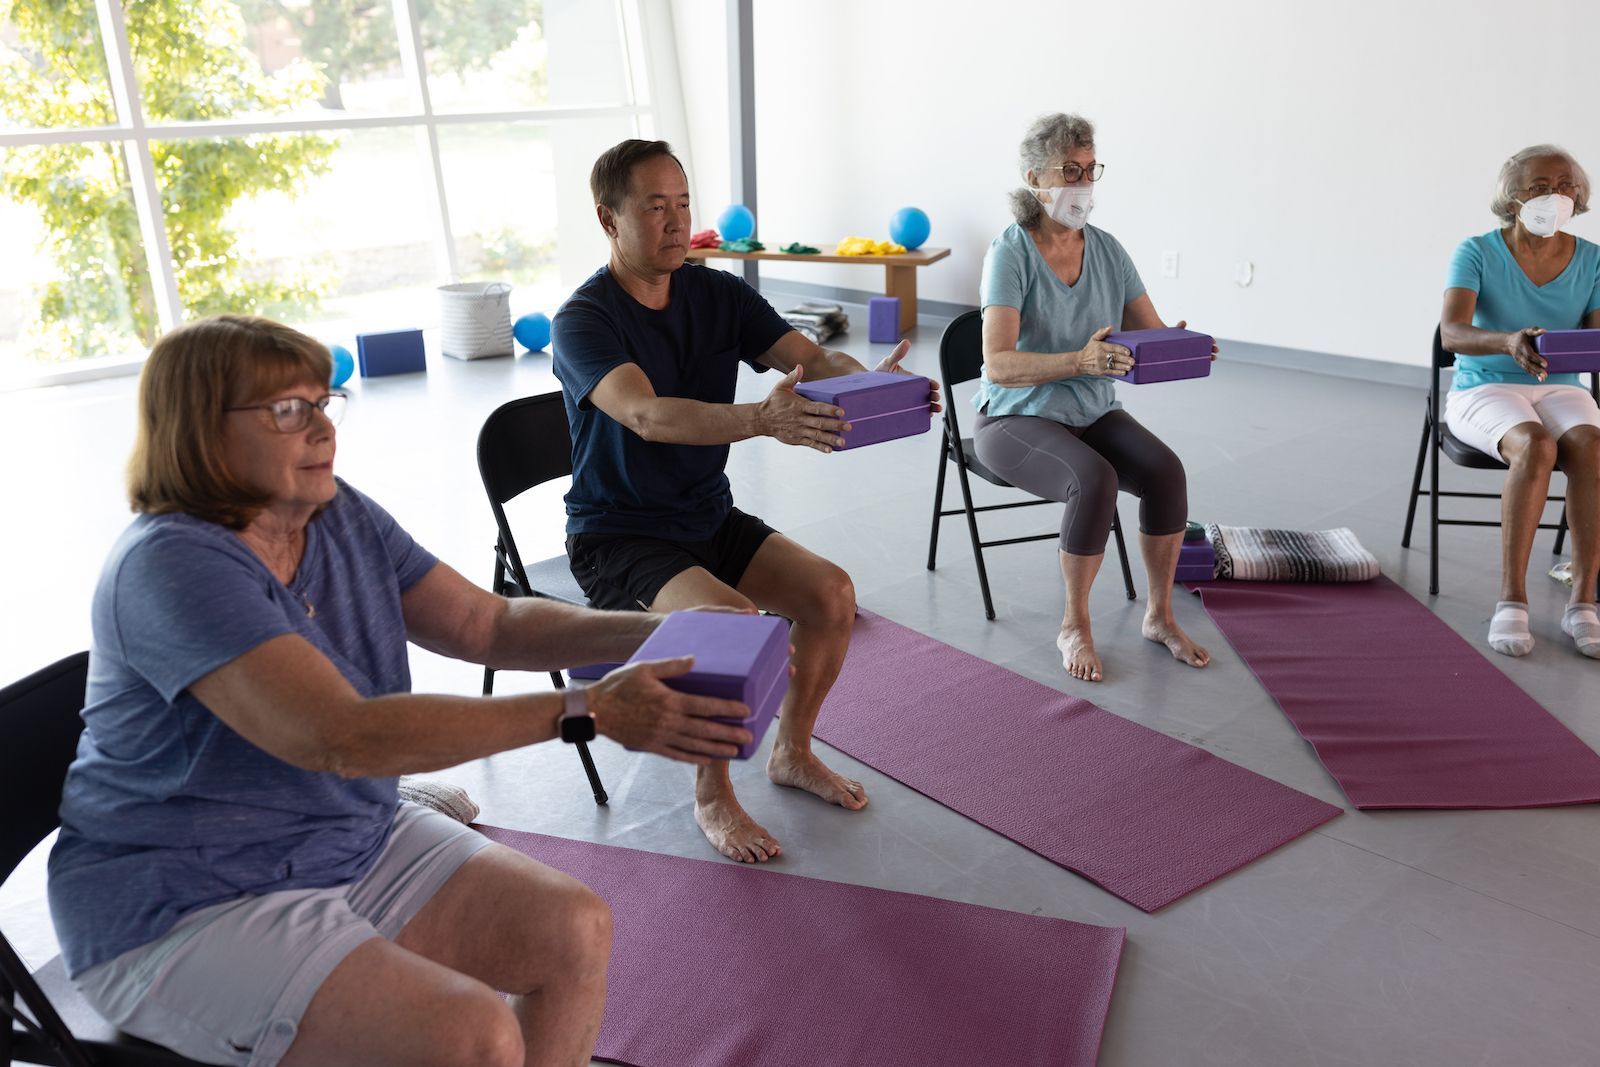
(1134, 811)
(715, 964)
(1401, 710)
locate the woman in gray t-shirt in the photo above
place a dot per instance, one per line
(1053, 288)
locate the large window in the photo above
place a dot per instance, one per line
(324, 162)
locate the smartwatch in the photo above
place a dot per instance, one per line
(577, 721)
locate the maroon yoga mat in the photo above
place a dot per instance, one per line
(717, 964)
(1146, 817)
(1401, 710)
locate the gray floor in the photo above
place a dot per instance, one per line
(1383, 938)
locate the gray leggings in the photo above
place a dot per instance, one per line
(1083, 466)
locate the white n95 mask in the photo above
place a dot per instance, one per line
(1068, 205)
(1544, 215)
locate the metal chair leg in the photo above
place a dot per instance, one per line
(589, 768)
(972, 530)
(1416, 485)
(1433, 513)
(1561, 530)
(494, 587)
(1122, 556)
(938, 495)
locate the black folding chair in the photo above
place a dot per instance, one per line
(1462, 455)
(47, 1021)
(961, 360)
(525, 443)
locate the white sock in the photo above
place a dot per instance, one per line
(442, 797)
(1508, 630)
(1582, 622)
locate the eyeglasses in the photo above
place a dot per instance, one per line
(1538, 189)
(1071, 172)
(293, 414)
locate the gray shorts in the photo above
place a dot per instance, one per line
(229, 983)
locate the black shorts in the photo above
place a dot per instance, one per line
(625, 572)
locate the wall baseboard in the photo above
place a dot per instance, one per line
(938, 312)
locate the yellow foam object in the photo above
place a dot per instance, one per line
(866, 246)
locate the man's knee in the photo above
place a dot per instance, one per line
(831, 599)
(583, 927)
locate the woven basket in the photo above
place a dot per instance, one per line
(475, 320)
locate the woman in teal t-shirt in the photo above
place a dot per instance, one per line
(1048, 420)
(1504, 289)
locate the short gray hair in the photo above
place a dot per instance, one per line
(1511, 181)
(1050, 137)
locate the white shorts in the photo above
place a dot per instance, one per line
(1480, 416)
(229, 983)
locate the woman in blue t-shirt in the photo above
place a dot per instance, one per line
(1504, 289)
(1048, 420)
(236, 878)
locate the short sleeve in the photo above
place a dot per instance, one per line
(1002, 282)
(411, 561)
(1132, 284)
(1594, 286)
(760, 327)
(185, 604)
(1466, 267)
(586, 346)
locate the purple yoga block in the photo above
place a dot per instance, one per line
(883, 320)
(736, 657)
(391, 352)
(1570, 351)
(1164, 355)
(1197, 562)
(590, 672)
(879, 406)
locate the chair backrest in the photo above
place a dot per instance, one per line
(960, 360)
(523, 443)
(40, 719)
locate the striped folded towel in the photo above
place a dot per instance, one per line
(1249, 554)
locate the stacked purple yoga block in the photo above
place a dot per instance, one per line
(1164, 355)
(736, 657)
(1197, 562)
(879, 405)
(1570, 351)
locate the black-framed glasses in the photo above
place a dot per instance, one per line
(293, 413)
(1071, 172)
(1538, 189)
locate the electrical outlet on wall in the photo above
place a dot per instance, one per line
(1169, 264)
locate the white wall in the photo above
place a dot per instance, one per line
(1344, 148)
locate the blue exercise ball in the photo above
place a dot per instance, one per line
(736, 223)
(909, 227)
(344, 365)
(533, 331)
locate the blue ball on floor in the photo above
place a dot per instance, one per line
(909, 227)
(736, 223)
(532, 331)
(344, 365)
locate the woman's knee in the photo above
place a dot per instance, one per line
(1579, 450)
(1529, 448)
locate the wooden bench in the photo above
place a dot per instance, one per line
(899, 272)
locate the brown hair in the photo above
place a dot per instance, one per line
(612, 175)
(191, 375)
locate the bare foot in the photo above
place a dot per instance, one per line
(1183, 649)
(732, 831)
(803, 770)
(1078, 655)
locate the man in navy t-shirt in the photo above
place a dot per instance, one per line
(648, 353)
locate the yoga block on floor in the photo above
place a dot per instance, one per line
(878, 405)
(736, 657)
(1165, 355)
(1197, 562)
(391, 352)
(883, 320)
(1570, 351)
